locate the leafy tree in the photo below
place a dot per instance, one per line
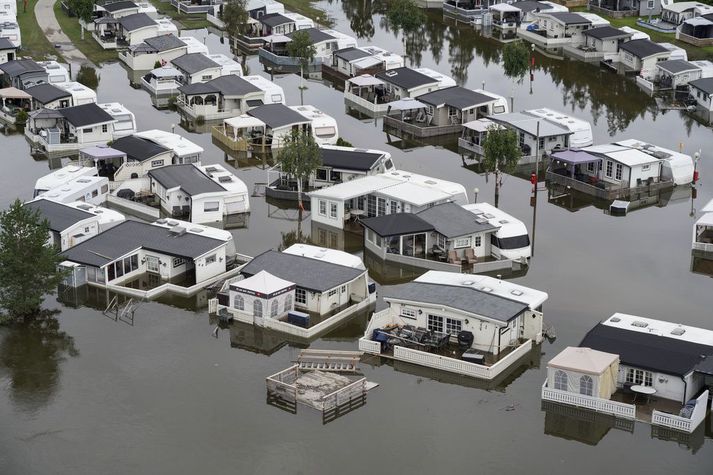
(301, 47)
(30, 267)
(235, 16)
(501, 153)
(515, 62)
(299, 158)
(87, 75)
(83, 9)
(405, 15)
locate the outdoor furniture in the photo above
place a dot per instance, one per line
(644, 390)
(357, 214)
(453, 257)
(470, 255)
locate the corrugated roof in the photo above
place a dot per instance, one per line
(21, 66)
(60, 216)
(603, 32)
(307, 273)
(130, 235)
(164, 42)
(647, 350)
(351, 53)
(675, 66)
(274, 19)
(188, 177)
(463, 298)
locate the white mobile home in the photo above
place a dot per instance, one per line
(70, 128)
(357, 60)
(183, 151)
(538, 136)
(8, 51)
(88, 189)
(196, 68)
(57, 73)
(581, 129)
(701, 90)
(61, 177)
(675, 166)
(124, 119)
(511, 240)
(703, 231)
(163, 48)
(81, 94)
(641, 56)
(49, 97)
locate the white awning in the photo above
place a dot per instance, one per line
(698, 21)
(406, 104)
(504, 7)
(243, 122)
(263, 282)
(365, 80)
(481, 125)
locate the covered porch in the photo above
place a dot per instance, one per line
(505, 15)
(703, 233)
(615, 8)
(13, 101)
(474, 133)
(581, 171)
(243, 133)
(368, 92)
(419, 120)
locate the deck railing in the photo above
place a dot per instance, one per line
(344, 395)
(682, 423)
(606, 406)
(703, 246)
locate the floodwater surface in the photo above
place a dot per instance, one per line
(87, 394)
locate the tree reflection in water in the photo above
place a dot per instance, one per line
(610, 97)
(30, 356)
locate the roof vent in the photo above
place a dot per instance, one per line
(615, 319)
(503, 221)
(197, 230)
(225, 179)
(467, 282)
(431, 182)
(481, 220)
(172, 223)
(517, 292)
(391, 73)
(178, 230)
(486, 289)
(83, 180)
(161, 221)
(678, 331)
(639, 324)
(488, 215)
(84, 207)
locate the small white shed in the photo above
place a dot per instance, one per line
(262, 296)
(584, 371)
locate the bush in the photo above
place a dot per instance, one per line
(343, 143)
(21, 117)
(157, 64)
(200, 120)
(87, 75)
(172, 103)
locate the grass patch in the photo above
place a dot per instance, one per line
(88, 46)
(187, 22)
(34, 41)
(305, 7)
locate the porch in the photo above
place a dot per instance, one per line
(409, 118)
(703, 234)
(465, 9)
(613, 8)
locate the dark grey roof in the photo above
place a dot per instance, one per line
(6, 44)
(397, 224)
(606, 32)
(254, 102)
(189, 177)
(315, 35)
(675, 66)
(198, 88)
(453, 220)
(194, 62)
(116, 6)
(86, 114)
(705, 85)
(136, 21)
(164, 42)
(405, 78)
(232, 85)
(277, 115)
(360, 160)
(570, 18)
(456, 96)
(21, 66)
(466, 299)
(60, 216)
(130, 235)
(646, 350)
(305, 272)
(531, 6)
(274, 19)
(138, 149)
(46, 93)
(642, 48)
(351, 53)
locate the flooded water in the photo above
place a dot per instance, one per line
(164, 394)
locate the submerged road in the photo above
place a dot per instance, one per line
(44, 13)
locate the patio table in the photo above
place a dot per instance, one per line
(641, 389)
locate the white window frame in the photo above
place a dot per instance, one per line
(300, 296)
(322, 208)
(461, 242)
(435, 323)
(408, 312)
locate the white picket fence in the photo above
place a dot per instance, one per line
(606, 406)
(681, 423)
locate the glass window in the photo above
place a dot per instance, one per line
(127, 265)
(110, 272)
(257, 308)
(619, 171)
(274, 308)
(610, 168)
(453, 326)
(560, 380)
(95, 193)
(300, 296)
(478, 241)
(118, 268)
(332, 293)
(105, 128)
(210, 259)
(177, 262)
(333, 210)
(211, 206)
(586, 385)
(88, 130)
(462, 242)
(322, 174)
(288, 303)
(134, 262)
(156, 163)
(105, 189)
(590, 166)
(239, 302)
(435, 323)
(639, 376)
(322, 207)
(408, 312)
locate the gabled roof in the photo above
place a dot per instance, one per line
(59, 216)
(463, 298)
(569, 18)
(647, 350)
(194, 62)
(704, 84)
(397, 224)
(86, 114)
(198, 88)
(306, 273)
(452, 220)
(360, 160)
(188, 177)
(164, 42)
(351, 53)
(583, 360)
(21, 66)
(117, 6)
(138, 149)
(46, 93)
(277, 115)
(130, 235)
(405, 78)
(274, 19)
(456, 96)
(6, 44)
(232, 85)
(642, 48)
(315, 35)
(263, 283)
(675, 66)
(606, 32)
(136, 21)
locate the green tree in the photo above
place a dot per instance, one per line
(405, 15)
(30, 266)
(501, 153)
(83, 9)
(87, 75)
(302, 48)
(235, 16)
(515, 63)
(299, 158)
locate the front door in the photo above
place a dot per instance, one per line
(152, 264)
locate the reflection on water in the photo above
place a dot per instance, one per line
(30, 358)
(100, 298)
